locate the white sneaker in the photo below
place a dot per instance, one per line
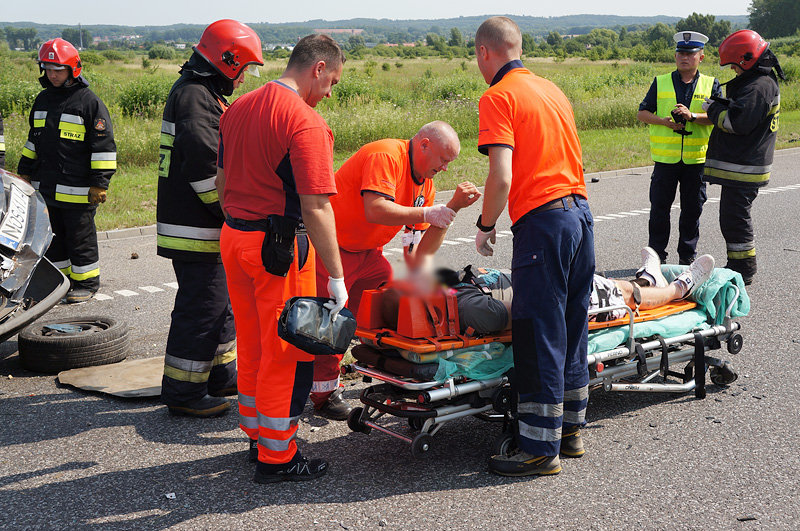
(698, 272)
(651, 267)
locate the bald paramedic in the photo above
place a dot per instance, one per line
(275, 178)
(527, 129)
(679, 131)
(385, 186)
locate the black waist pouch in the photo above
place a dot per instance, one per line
(277, 251)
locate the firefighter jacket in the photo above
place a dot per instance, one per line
(742, 143)
(2, 145)
(188, 213)
(70, 145)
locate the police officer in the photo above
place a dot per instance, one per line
(70, 157)
(528, 130)
(679, 131)
(742, 143)
(200, 362)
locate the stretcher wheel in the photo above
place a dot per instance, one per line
(735, 343)
(724, 375)
(504, 444)
(354, 421)
(415, 423)
(501, 400)
(421, 444)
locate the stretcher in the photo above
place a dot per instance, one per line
(424, 372)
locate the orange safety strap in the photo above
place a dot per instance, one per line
(452, 310)
(437, 324)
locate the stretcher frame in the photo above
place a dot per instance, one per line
(631, 367)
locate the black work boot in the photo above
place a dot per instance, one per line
(298, 469)
(572, 443)
(208, 406)
(335, 408)
(252, 451)
(77, 294)
(519, 463)
(744, 266)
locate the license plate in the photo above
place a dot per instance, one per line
(12, 231)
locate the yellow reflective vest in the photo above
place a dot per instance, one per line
(667, 145)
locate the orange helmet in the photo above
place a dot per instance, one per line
(59, 52)
(742, 48)
(230, 47)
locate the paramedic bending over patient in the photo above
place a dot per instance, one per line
(485, 313)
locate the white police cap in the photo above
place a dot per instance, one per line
(689, 41)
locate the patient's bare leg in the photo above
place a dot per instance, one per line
(651, 297)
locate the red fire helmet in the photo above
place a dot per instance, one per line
(742, 48)
(230, 47)
(62, 53)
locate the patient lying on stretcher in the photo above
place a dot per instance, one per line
(484, 296)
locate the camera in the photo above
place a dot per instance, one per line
(677, 117)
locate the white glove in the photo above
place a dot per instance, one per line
(338, 292)
(482, 240)
(706, 104)
(438, 215)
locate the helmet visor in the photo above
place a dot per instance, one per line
(52, 66)
(252, 69)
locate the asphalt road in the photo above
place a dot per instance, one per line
(75, 459)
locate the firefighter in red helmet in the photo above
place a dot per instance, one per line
(70, 157)
(200, 362)
(742, 143)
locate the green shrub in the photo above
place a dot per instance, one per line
(159, 51)
(18, 96)
(114, 55)
(386, 67)
(90, 57)
(145, 97)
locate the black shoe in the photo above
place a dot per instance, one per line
(208, 406)
(252, 452)
(335, 408)
(76, 295)
(298, 469)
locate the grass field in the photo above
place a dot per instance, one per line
(375, 99)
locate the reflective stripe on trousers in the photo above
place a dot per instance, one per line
(276, 374)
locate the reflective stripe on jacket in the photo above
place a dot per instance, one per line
(188, 213)
(70, 145)
(667, 145)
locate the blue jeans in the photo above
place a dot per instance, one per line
(551, 274)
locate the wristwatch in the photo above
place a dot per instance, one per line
(482, 227)
(693, 118)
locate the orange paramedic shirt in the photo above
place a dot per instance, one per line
(383, 167)
(534, 118)
(273, 146)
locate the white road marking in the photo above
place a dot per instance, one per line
(150, 289)
(450, 242)
(173, 285)
(465, 240)
(126, 293)
(103, 297)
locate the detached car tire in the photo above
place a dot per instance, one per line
(57, 345)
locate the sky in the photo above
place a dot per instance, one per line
(162, 13)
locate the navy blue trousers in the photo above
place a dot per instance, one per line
(551, 275)
(663, 185)
(201, 345)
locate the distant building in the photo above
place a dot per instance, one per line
(346, 31)
(180, 45)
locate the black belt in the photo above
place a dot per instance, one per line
(249, 225)
(564, 203)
